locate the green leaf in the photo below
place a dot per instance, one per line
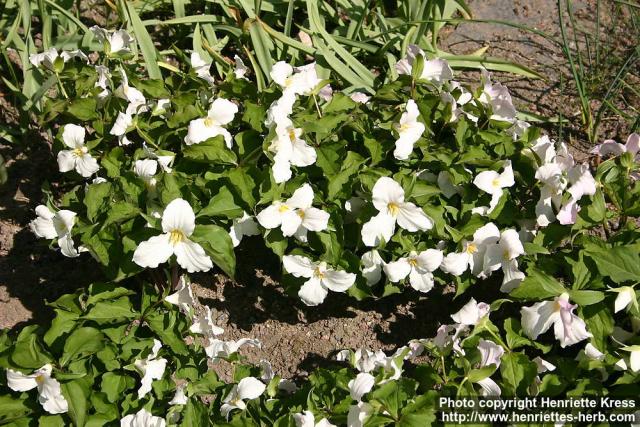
(196, 414)
(96, 197)
(218, 245)
(76, 392)
(538, 285)
(584, 298)
(620, 263)
(28, 353)
(83, 341)
(145, 42)
(212, 150)
(222, 205)
(13, 408)
(114, 384)
(518, 372)
(111, 311)
(83, 109)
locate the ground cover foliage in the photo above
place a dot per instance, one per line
(415, 183)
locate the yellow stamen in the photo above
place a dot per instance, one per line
(283, 208)
(495, 183)
(300, 213)
(78, 152)
(175, 237)
(40, 379)
(292, 135)
(317, 273)
(471, 248)
(393, 208)
(209, 122)
(505, 255)
(413, 262)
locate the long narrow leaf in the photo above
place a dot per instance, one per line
(146, 44)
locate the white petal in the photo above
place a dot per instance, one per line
(298, 266)
(315, 219)
(488, 181)
(280, 72)
(489, 388)
(512, 276)
(412, 218)
(490, 353)
(312, 293)
(626, 295)
(67, 247)
(430, 259)
(178, 215)
(291, 222)
(361, 385)
(17, 381)
(538, 318)
(281, 170)
(183, 297)
(204, 325)
(302, 198)
(151, 370)
(338, 280)
(250, 388)
(471, 313)
(379, 228)
(43, 226)
(386, 191)
(455, 263)
(73, 136)
(271, 217)
(421, 281)
(372, 265)
(222, 111)
(302, 154)
(86, 165)
(192, 257)
(153, 252)
(51, 397)
(66, 161)
(397, 270)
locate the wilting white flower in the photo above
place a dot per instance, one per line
(146, 169)
(471, 313)
(634, 357)
(244, 226)
(321, 277)
(371, 267)
(247, 389)
(178, 223)
(201, 68)
(289, 150)
(358, 414)
(51, 225)
(359, 97)
(123, 123)
(103, 77)
(223, 349)
(183, 297)
(78, 156)
(419, 268)
(388, 199)
(240, 70)
(203, 324)
(490, 354)
(116, 42)
(142, 418)
(306, 419)
(221, 113)
(626, 297)
(473, 252)
(612, 148)
(165, 158)
(496, 96)
(296, 215)
(298, 81)
(437, 71)
(409, 131)
(136, 99)
(449, 337)
(179, 398)
(326, 92)
(502, 255)
(582, 184)
(280, 110)
(361, 385)
(151, 368)
(493, 183)
(363, 360)
(49, 392)
(590, 352)
(50, 58)
(568, 327)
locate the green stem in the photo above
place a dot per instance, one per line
(61, 86)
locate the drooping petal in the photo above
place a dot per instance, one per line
(455, 263)
(298, 266)
(271, 217)
(315, 219)
(250, 388)
(538, 318)
(471, 313)
(512, 276)
(153, 252)
(397, 270)
(178, 215)
(192, 257)
(86, 165)
(430, 259)
(338, 280)
(421, 281)
(73, 136)
(372, 265)
(489, 388)
(361, 385)
(222, 111)
(50, 396)
(66, 161)
(43, 226)
(67, 247)
(17, 381)
(412, 218)
(183, 297)
(378, 229)
(291, 222)
(312, 292)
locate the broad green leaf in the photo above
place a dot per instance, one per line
(212, 150)
(82, 342)
(218, 245)
(620, 263)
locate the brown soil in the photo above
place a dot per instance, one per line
(295, 338)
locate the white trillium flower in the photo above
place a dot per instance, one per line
(363, 360)
(358, 414)
(202, 68)
(590, 352)
(179, 398)
(51, 225)
(203, 324)
(165, 158)
(221, 113)
(116, 42)
(178, 223)
(296, 215)
(582, 184)
(449, 337)
(419, 268)
(240, 70)
(326, 93)
(49, 391)
(136, 99)
(289, 150)
(490, 354)
(359, 97)
(372, 264)
(151, 368)
(223, 349)
(142, 418)
(243, 226)
(626, 297)
(78, 156)
(388, 199)
(321, 277)
(493, 183)
(497, 96)
(146, 169)
(409, 131)
(298, 81)
(122, 125)
(247, 389)
(612, 148)
(473, 253)
(361, 385)
(471, 313)
(183, 297)
(437, 71)
(634, 357)
(102, 82)
(49, 58)
(502, 255)
(306, 419)
(568, 328)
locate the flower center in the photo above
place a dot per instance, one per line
(40, 379)
(300, 213)
(209, 122)
(283, 208)
(292, 135)
(79, 152)
(505, 255)
(413, 262)
(495, 183)
(317, 273)
(472, 248)
(393, 208)
(175, 237)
